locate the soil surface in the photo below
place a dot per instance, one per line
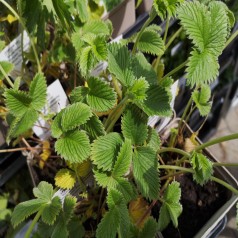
(199, 204)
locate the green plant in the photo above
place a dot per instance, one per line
(103, 132)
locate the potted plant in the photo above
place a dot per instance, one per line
(125, 177)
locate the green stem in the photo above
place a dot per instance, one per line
(173, 37)
(6, 76)
(173, 167)
(35, 220)
(217, 141)
(117, 88)
(175, 70)
(24, 27)
(233, 36)
(166, 29)
(172, 149)
(228, 186)
(112, 119)
(225, 164)
(148, 21)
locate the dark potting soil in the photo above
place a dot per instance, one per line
(199, 204)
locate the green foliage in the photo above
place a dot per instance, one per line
(105, 150)
(153, 139)
(149, 229)
(7, 67)
(134, 125)
(115, 216)
(138, 89)
(171, 208)
(73, 146)
(82, 8)
(145, 172)
(202, 167)
(208, 28)
(201, 99)
(45, 202)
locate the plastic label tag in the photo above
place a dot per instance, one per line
(56, 101)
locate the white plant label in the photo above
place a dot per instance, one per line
(13, 53)
(56, 101)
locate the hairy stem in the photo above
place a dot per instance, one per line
(166, 29)
(173, 37)
(149, 20)
(175, 70)
(6, 76)
(232, 37)
(172, 149)
(217, 141)
(173, 167)
(35, 220)
(24, 27)
(225, 164)
(228, 186)
(117, 87)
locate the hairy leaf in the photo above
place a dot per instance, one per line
(149, 229)
(44, 191)
(151, 42)
(101, 97)
(157, 101)
(78, 94)
(74, 146)
(56, 128)
(134, 125)
(202, 68)
(171, 208)
(123, 159)
(75, 115)
(105, 150)
(201, 99)
(97, 27)
(139, 88)
(202, 167)
(18, 102)
(145, 172)
(82, 8)
(119, 63)
(37, 91)
(153, 139)
(65, 179)
(99, 48)
(87, 61)
(94, 127)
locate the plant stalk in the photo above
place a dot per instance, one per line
(217, 141)
(225, 164)
(172, 149)
(173, 167)
(175, 70)
(166, 29)
(233, 36)
(35, 220)
(6, 76)
(173, 37)
(152, 16)
(24, 27)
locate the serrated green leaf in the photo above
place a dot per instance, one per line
(74, 146)
(201, 99)
(171, 208)
(166, 8)
(51, 211)
(75, 115)
(44, 191)
(17, 83)
(119, 63)
(56, 128)
(78, 94)
(141, 67)
(123, 161)
(82, 8)
(138, 89)
(94, 127)
(99, 48)
(202, 68)
(97, 27)
(86, 61)
(18, 102)
(151, 42)
(145, 172)
(24, 210)
(101, 97)
(134, 125)
(105, 150)
(149, 229)
(7, 67)
(22, 123)
(202, 167)
(153, 139)
(37, 91)
(157, 101)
